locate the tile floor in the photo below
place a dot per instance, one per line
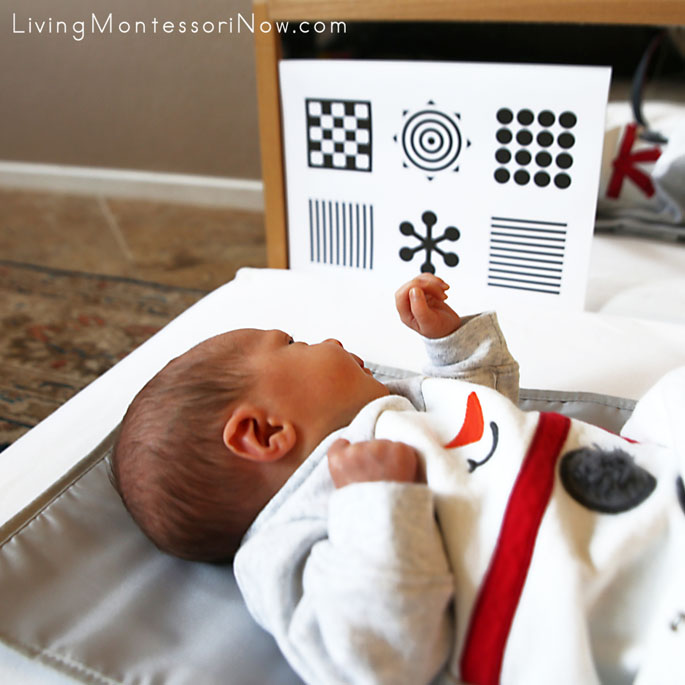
(196, 247)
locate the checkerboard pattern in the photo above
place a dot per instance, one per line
(339, 134)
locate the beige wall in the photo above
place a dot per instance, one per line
(167, 102)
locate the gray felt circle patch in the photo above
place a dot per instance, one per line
(680, 490)
(607, 481)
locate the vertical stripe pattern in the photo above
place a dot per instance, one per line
(341, 233)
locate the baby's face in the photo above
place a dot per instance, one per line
(320, 388)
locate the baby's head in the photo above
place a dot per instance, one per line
(215, 434)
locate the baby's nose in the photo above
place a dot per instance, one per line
(333, 340)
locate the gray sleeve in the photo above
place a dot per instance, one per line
(374, 596)
(476, 352)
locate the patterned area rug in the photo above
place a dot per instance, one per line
(59, 330)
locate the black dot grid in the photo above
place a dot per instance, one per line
(534, 147)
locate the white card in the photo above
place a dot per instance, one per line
(485, 174)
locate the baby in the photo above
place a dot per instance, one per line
(216, 434)
(422, 529)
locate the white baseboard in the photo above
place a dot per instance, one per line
(208, 191)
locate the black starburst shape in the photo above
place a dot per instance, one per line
(428, 243)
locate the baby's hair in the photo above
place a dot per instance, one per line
(170, 466)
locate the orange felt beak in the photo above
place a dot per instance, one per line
(472, 429)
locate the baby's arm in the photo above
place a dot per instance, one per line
(365, 598)
(470, 348)
(382, 573)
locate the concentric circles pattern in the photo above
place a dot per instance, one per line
(431, 140)
(534, 148)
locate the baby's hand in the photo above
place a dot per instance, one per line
(421, 306)
(372, 461)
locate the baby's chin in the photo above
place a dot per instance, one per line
(384, 391)
(376, 390)
(373, 389)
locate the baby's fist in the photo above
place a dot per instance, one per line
(421, 306)
(373, 460)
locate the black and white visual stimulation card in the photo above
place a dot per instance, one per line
(485, 174)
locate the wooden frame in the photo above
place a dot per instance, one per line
(268, 54)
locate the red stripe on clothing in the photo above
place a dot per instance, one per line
(493, 613)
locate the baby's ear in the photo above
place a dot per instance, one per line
(251, 434)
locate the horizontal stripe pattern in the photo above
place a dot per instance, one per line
(341, 233)
(526, 254)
